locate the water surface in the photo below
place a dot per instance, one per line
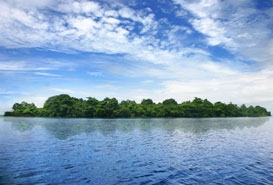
(136, 151)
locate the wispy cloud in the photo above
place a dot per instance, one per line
(20, 66)
(83, 25)
(116, 28)
(47, 74)
(93, 27)
(146, 49)
(248, 86)
(34, 65)
(7, 92)
(62, 90)
(107, 87)
(95, 73)
(236, 25)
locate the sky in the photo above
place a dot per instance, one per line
(221, 50)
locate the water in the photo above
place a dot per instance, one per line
(136, 151)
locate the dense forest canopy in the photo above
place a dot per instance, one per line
(64, 106)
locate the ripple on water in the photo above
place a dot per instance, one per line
(182, 151)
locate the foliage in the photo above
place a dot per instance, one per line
(23, 109)
(69, 107)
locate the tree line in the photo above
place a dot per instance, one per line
(64, 106)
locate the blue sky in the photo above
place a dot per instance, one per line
(135, 49)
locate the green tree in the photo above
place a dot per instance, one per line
(24, 109)
(220, 109)
(243, 110)
(60, 106)
(91, 107)
(147, 102)
(170, 108)
(261, 111)
(107, 108)
(232, 110)
(140, 112)
(207, 109)
(170, 101)
(65, 106)
(127, 108)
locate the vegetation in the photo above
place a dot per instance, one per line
(64, 106)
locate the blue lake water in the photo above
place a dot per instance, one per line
(136, 151)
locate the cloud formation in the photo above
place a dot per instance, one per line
(238, 26)
(221, 50)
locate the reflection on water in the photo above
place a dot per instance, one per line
(136, 151)
(64, 128)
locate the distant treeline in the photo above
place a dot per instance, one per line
(64, 106)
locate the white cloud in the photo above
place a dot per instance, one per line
(183, 72)
(95, 73)
(97, 27)
(6, 92)
(238, 88)
(37, 100)
(220, 69)
(82, 25)
(30, 4)
(214, 30)
(62, 90)
(20, 66)
(85, 26)
(47, 74)
(40, 65)
(107, 87)
(236, 25)
(201, 8)
(93, 27)
(148, 81)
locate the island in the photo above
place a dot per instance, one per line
(65, 106)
